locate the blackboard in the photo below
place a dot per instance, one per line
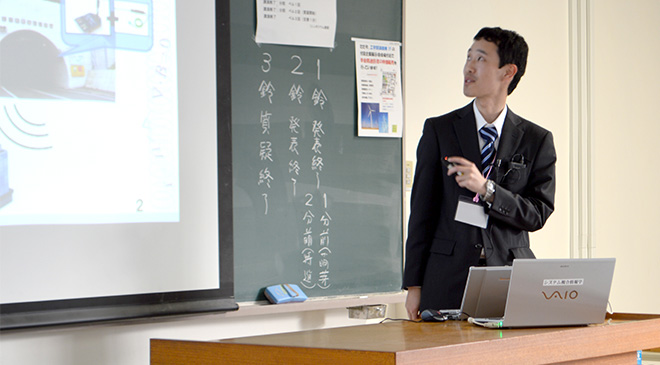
(337, 229)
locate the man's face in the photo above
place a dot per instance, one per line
(482, 76)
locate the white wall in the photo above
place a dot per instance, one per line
(625, 132)
(437, 34)
(593, 80)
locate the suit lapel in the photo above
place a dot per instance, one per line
(466, 131)
(511, 137)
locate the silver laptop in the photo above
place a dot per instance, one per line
(555, 292)
(485, 293)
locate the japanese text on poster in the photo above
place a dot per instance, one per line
(378, 78)
(301, 22)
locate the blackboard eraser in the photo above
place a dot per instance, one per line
(284, 293)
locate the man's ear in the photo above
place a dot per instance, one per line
(510, 71)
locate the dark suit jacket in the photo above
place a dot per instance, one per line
(440, 250)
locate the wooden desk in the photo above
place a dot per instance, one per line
(424, 343)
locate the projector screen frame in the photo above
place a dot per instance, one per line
(137, 306)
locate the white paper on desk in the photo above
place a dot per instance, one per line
(310, 23)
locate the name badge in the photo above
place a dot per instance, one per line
(471, 213)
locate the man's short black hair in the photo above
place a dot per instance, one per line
(511, 47)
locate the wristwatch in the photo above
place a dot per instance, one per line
(490, 190)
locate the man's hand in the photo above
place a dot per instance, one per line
(412, 302)
(470, 177)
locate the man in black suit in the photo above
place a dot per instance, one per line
(477, 206)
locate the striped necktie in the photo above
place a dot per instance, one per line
(489, 134)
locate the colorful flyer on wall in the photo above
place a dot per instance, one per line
(309, 23)
(378, 78)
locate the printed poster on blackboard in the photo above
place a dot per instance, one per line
(378, 78)
(309, 23)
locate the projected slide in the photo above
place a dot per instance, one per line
(89, 124)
